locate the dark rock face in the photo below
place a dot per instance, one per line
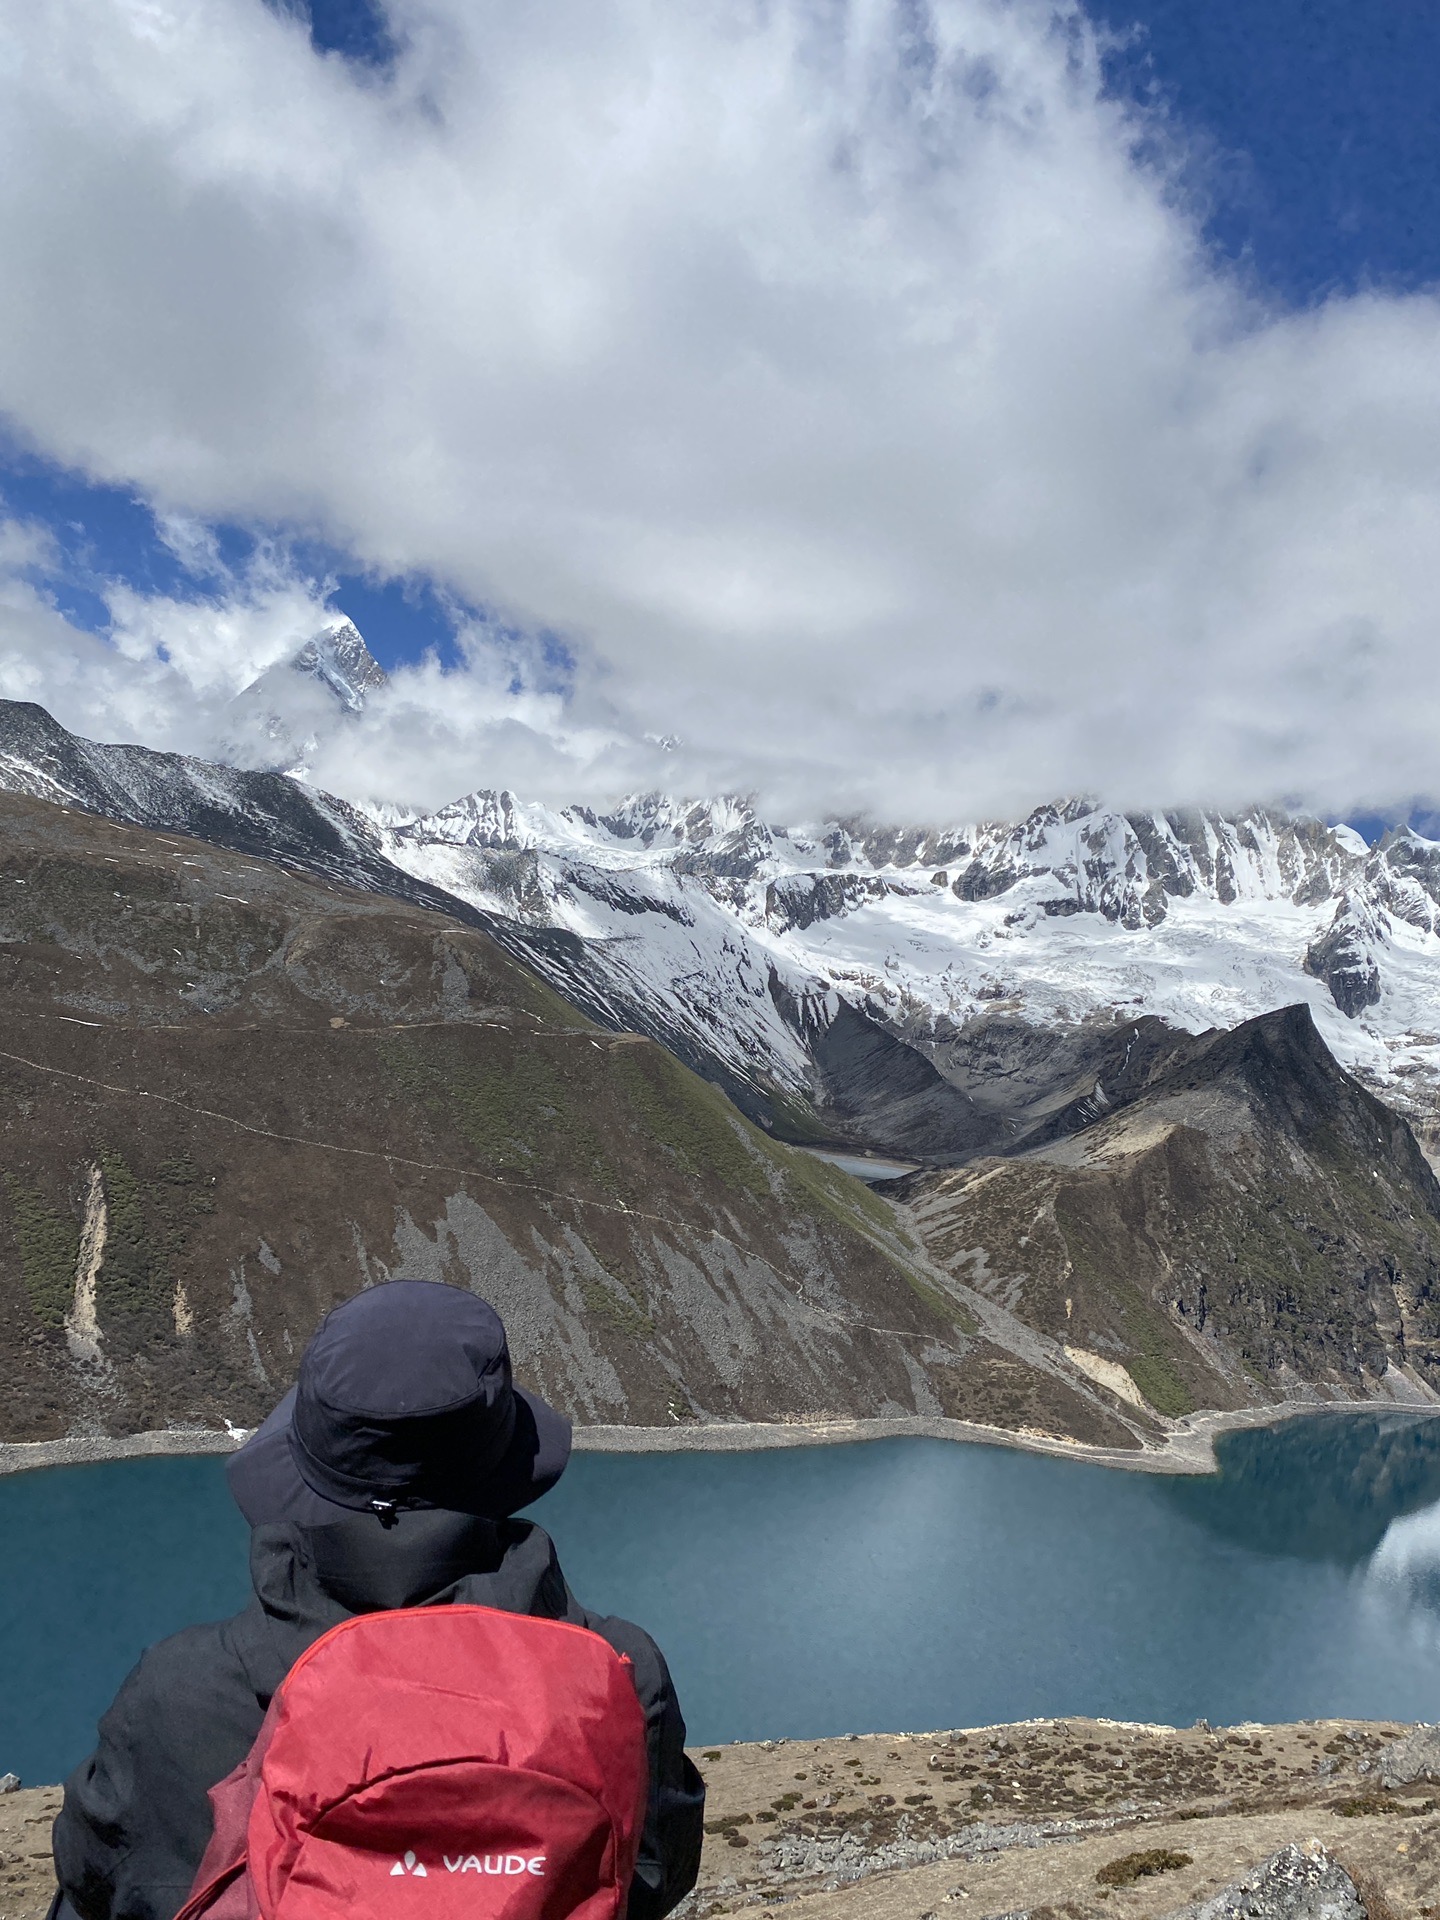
(1251, 1217)
(1344, 958)
(799, 900)
(1027, 1085)
(871, 1087)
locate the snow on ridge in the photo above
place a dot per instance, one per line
(704, 912)
(740, 939)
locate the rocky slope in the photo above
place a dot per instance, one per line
(1074, 1820)
(231, 1094)
(930, 994)
(1241, 1211)
(358, 1069)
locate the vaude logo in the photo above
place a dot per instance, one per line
(498, 1863)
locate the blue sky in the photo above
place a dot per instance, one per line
(1306, 132)
(1325, 122)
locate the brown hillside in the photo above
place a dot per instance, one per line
(1254, 1220)
(231, 1094)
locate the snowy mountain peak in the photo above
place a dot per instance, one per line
(645, 819)
(281, 716)
(936, 971)
(338, 657)
(740, 939)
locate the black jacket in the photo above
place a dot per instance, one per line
(136, 1818)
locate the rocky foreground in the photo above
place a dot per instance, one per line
(1079, 1820)
(1047, 1820)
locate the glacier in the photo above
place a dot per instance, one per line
(744, 936)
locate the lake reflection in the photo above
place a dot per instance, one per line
(1324, 1487)
(880, 1586)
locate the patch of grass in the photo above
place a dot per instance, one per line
(1131, 1867)
(1368, 1803)
(1160, 1384)
(49, 1246)
(615, 1310)
(191, 1180)
(942, 1305)
(795, 1120)
(516, 1114)
(1151, 1359)
(824, 1191)
(689, 1118)
(147, 1229)
(133, 1281)
(818, 1177)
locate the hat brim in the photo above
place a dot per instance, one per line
(267, 1485)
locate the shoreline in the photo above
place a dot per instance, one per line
(1189, 1448)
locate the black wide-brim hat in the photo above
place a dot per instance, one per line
(404, 1399)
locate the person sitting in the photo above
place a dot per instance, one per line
(388, 1477)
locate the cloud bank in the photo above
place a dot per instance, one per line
(843, 379)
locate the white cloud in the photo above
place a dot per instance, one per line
(168, 672)
(166, 669)
(833, 375)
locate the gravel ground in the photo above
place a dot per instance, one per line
(974, 1823)
(27, 1878)
(996, 1820)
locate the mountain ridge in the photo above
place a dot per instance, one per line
(1012, 970)
(1075, 916)
(149, 988)
(1249, 1212)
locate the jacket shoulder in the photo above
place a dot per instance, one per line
(136, 1815)
(652, 1675)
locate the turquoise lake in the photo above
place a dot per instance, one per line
(888, 1585)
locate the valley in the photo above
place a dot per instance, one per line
(261, 1047)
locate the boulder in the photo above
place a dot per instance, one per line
(1297, 1883)
(1416, 1756)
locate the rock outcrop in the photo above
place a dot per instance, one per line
(1243, 1214)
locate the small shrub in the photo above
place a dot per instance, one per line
(1365, 1803)
(1131, 1867)
(49, 1249)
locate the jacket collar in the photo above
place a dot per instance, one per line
(515, 1570)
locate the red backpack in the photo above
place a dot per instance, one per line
(436, 1763)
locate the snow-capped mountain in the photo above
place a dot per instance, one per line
(932, 992)
(279, 719)
(751, 943)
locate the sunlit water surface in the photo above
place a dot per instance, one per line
(887, 1585)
